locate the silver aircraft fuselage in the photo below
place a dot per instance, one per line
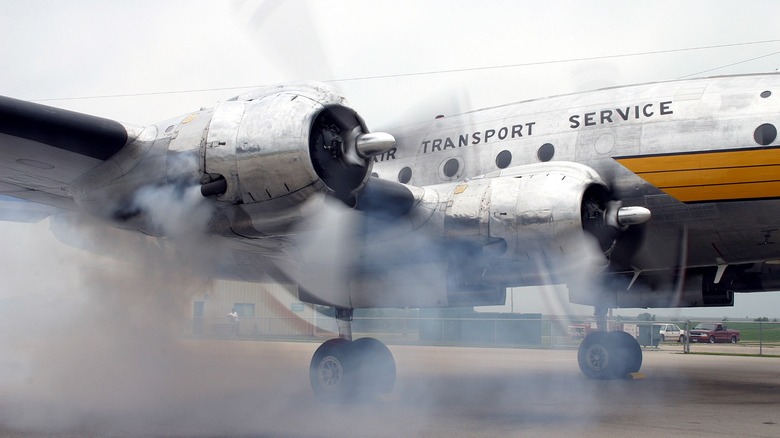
(701, 155)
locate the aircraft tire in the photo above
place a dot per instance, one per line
(374, 367)
(594, 356)
(629, 351)
(330, 370)
(613, 355)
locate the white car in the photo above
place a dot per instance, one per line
(671, 332)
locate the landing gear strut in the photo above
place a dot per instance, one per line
(341, 368)
(608, 355)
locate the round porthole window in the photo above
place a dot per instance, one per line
(451, 169)
(765, 134)
(503, 159)
(766, 94)
(545, 152)
(405, 175)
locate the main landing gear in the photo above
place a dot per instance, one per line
(609, 355)
(342, 368)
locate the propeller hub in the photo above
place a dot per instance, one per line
(622, 217)
(627, 216)
(375, 143)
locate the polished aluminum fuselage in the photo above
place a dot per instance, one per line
(674, 119)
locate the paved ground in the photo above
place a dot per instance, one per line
(240, 388)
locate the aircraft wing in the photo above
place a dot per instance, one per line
(44, 149)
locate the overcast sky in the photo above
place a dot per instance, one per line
(142, 52)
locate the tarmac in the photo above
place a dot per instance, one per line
(250, 388)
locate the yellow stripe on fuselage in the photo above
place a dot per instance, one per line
(712, 176)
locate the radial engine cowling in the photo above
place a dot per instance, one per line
(283, 144)
(538, 210)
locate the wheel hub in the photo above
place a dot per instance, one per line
(597, 357)
(330, 373)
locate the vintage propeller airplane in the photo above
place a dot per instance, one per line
(656, 195)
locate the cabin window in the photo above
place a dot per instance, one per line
(405, 175)
(503, 159)
(765, 134)
(451, 167)
(545, 152)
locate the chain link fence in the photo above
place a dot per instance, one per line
(501, 330)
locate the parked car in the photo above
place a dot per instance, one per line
(713, 332)
(671, 332)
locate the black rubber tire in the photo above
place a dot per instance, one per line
(373, 365)
(629, 352)
(330, 370)
(733, 339)
(596, 359)
(711, 339)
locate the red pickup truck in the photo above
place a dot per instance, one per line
(713, 332)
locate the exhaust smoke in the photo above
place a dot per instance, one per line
(98, 346)
(96, 343)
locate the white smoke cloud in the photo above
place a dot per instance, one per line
(97, 342)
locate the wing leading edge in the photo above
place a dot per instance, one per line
(44, 149)
(82, 134)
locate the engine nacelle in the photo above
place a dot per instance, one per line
(265, 153)
(527, 211)
(514, 227)
(283, 144)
